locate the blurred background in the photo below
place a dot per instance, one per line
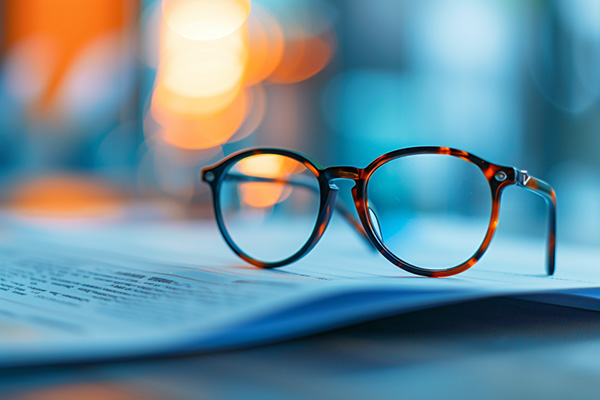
(107, 104)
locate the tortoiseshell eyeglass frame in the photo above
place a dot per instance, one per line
(499, 177)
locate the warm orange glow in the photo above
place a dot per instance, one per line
(88, 391)
(66, 196)
(190, 78)
(197, 68)
(304, 56)
(263, 194)
(65, 28)
(205, 19)
(199, 124)
(211, 59)
(266, 45)
(166, 102)
(199, 100)
(202, 131)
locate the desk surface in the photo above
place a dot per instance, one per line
(496, 348)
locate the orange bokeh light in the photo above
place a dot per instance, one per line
(66, 28)
(266, 44)
(166, 102)
(304, 56)
(204, 87)
(205, 19)
(87, 390)
(198, 68)
(66, 196)
(199, 99)
(266, 194)
(202, 131)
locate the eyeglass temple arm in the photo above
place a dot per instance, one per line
(544, 190)
(339, 206)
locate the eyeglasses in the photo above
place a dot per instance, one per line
(429, 210)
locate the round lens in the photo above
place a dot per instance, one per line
(431, 211)
(269, 205)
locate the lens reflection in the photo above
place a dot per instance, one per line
(431, 211)
(269, 204)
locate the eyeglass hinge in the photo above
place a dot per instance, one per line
(521, 177)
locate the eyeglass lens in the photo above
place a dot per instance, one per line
(431, 211)
(269, 205)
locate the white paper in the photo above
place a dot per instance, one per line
(145, 289)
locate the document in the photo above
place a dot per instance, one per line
(136, 290)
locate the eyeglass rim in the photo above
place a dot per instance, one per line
(499, 177)
(489, 171)
(323, 215)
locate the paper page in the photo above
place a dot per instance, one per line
(146, 289)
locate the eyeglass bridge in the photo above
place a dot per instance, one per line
(351, 173)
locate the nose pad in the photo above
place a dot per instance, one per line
(375, 223)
